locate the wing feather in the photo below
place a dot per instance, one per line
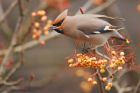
(93, 26)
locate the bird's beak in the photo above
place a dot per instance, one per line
(53, 28)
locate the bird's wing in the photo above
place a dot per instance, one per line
(93, 26)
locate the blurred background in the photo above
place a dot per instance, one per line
(47, 65)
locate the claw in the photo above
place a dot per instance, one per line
(102, 55)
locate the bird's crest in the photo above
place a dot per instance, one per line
(61, 17)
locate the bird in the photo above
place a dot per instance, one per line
(90, 30)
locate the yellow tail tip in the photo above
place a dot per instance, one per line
(127, 41)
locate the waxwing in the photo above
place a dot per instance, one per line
(88, 29)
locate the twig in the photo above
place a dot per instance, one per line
(18, 64)
(13, 43)
(7, 90)
(30, 44)
(11, 83)
(101, 87)
(9, 10)
(102, 7)
(4, 26)
(20, 8)
(121, 89)
(137, 87)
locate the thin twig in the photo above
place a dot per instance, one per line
(137, 87)
(8, 11)
(10, 83)
(11, 47)
(102, 7)
(13, 70)
(9, 89)
(101, 87)
(4, 26)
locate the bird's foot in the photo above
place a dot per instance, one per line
(102, 55)
(85, 50)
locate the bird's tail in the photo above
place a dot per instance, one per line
(108, 17)
(118, 35)
(118, 29)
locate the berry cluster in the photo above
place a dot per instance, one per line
(40, 25)
(104, 69)
(84, 60)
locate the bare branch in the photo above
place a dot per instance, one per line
(11, 47)
(102, 7)
(8, 11)
(101, 87)
(137, 87)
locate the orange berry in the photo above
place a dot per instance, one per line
(79, 54)
(138, 8)
(113, 52)
(42, 42)
(33, 14)
(80, 73)
(105, 61)
(37, 25)
(122, 54)
(94, 82)
(41, 12)
(43, 18)
(104, 79)
(98, 2)
(36, 37)
(102, 66)
(107, 88)
(70, 61)
(94, 58)
(122, 61)
(112, 65)
(49, 22)
(70, 65)
(46, 32)
(109, 84)
(120, 68)
(79, 60)
(87, 87)
(102, 70)
(90, 79)
(127, 41)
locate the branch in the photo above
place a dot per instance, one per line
(101, 87)
(4, 26)
(11, 83)
(121, 89)
(13, 43)
(137, 87)
(102, 7)
(8, 11)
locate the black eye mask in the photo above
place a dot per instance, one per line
(58, 24)
(59, 31)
